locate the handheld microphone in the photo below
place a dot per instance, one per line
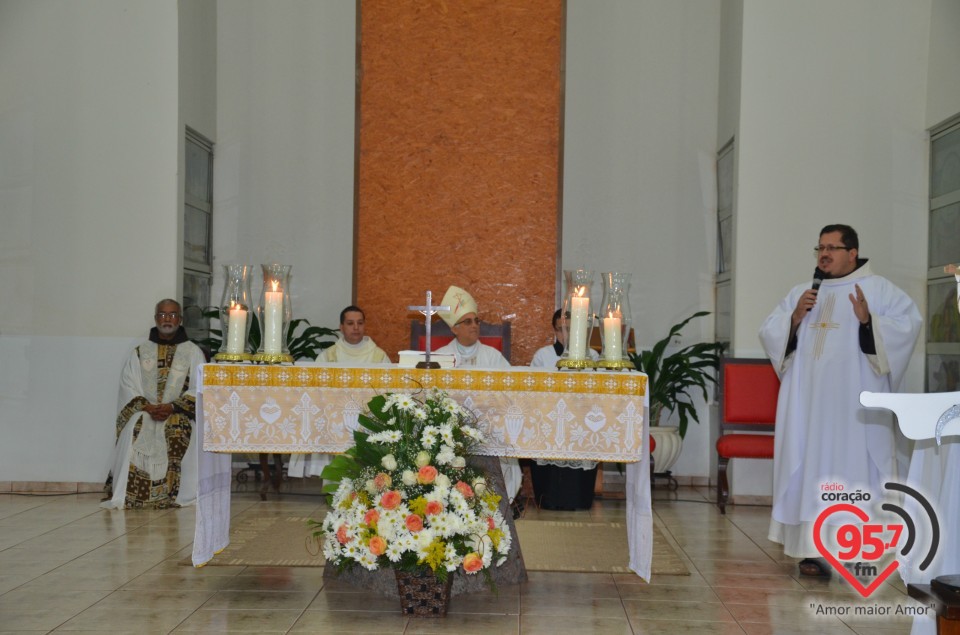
(817, 280)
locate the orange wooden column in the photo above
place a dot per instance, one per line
(458, 162)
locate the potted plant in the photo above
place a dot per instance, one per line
(670, 380)
(405, 499)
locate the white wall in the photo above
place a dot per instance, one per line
(943, 80)
(88, 210)
(831, 129)
(641, 113)
(283, 188)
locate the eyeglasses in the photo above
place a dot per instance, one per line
(828, 249)
(163, 316)
(469, 321)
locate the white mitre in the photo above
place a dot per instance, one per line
(460, 303)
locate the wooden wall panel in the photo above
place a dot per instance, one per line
(458, 164)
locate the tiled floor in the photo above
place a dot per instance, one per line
(67, 565)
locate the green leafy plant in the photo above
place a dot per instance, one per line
(305, 343)
(670, 378)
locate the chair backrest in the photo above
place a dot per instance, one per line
(748, 394)
(495, 335)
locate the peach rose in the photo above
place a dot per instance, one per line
(414, 523)
(391, 499)
(472, 562)
(434, 508)
(378, 545)
(371, 517)
(342, 537)
(490, 523)
(382, 481)
(464, 489)
(427, 475)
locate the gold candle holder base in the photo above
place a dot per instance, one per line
(273, 358)
(574, 364)
(233, 357)
(615, 364)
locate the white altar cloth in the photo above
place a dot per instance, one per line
(524, 413)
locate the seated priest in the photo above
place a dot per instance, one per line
(463, 320)
(548, 356)
(353, 348)
(561, 484)
(469, 352)
(155, 423)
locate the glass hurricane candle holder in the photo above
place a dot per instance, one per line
(576, 321)
(275, 313)
(615, 321)
(236, 309)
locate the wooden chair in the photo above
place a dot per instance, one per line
(748, 409)
(495, 335)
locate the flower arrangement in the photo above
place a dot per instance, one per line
(404, 497)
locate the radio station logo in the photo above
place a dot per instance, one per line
(864, 550)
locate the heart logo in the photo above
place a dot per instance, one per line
(270, 411)
(595, 420)
(835, 562)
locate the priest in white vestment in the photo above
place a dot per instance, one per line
(856, 333)
(470, 352)
(353, 348)
(151, 466)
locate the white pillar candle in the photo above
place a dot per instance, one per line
(612, 349)
(236, 330)
(579, 321)
(273, 321)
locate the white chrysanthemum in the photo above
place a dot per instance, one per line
(446, 433)
(387, 436)
(394, 553)
(445, 455)
(440, 523)
(471, 432)
(429, 437)
(367, 560)
(419, 413)
(405, 402)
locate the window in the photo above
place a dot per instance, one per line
(723, 329)
(197, 230)
(943, 320)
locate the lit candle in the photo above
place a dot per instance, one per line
(579, 320)
(236, 329)
(612, 350)
(273, 321)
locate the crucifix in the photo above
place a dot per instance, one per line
(428, 310)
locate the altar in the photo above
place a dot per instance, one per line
(524, 413)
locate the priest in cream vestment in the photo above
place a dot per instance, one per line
(469, 352)
(354, 348)
(856, 333)
(155, 423)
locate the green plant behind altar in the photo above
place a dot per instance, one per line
(404, 498)
(670, 378)
(305, 344)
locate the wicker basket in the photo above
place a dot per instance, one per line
(422, 595)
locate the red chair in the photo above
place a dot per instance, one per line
(495, 335)
(748, 409)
